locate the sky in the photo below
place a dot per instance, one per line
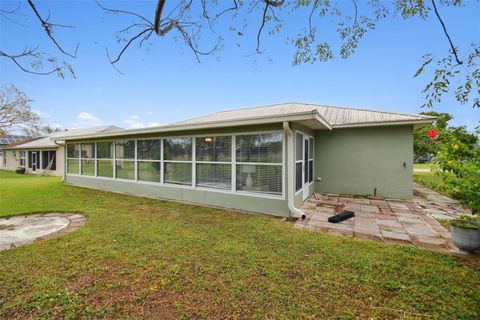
(163, 83)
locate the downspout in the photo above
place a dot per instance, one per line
(295, 212)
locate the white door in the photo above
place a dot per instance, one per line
(305, 175)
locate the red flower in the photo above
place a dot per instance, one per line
(432, 133)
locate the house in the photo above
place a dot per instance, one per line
(6, 140)
(43, 155)
(265, 159)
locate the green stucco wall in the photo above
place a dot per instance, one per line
(357, 160)
(276, 207)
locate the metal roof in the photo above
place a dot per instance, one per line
(310, 115)
(337, 117)
(49, 141)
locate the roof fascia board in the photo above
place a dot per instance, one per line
(207, 125)
(383, 124)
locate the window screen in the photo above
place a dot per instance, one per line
(148, 149)
(259, 178)
(105, 168)
(260, 148)
(213, 162)
(214, 149)
(178, 173)
(177, 149)
(125, 149)
(105, 150)
(259, 163)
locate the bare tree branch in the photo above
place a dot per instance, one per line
(315, 5)
(47, 26)
(27, 53)
(267, 4)
(129, 43)
(454, 50)
(158, 15)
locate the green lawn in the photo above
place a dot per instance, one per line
(422, 165)
(143, 258)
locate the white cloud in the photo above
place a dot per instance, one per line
(57, 126)
(42, 114)
(88, 117)
(134, 122)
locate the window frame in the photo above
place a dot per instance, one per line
(233, 136)
(191, 161)
(312, 153)
(281, 163)
(22, 157)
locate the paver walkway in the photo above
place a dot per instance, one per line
(20, 230)
(410, 222)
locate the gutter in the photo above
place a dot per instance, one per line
(295, 212)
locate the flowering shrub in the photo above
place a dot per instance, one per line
(458, 164)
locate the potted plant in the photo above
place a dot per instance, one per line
(466, 233)
(20, 170)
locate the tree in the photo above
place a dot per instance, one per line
(425, 147)
(458, 165)
(15, 110)
(196, 23)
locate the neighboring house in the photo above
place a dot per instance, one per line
(43, 155)
(265, 159)
(8, 140)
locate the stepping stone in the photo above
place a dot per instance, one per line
(395, 236)
(369, 208)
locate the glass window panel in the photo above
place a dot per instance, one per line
(310, 171)
(305, 161)
(125, 169)
(88, 150)
(260, 148)
(73, 150)
(298, 176)
(218, 176)
(259, 178)
(214, 148)
(105, 150)
(72, 166)
(148, 149)
(125, 149)
(298, 147)
(149, 171)
(88, 167)
(105, 168)
(177, 149)
(179, 173)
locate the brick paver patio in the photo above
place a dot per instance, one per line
(409, 222)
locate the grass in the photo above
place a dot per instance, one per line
(422, 166)
(142, 258)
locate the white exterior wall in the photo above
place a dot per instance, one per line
(13, 162)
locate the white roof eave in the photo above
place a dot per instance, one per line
(206, 125)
